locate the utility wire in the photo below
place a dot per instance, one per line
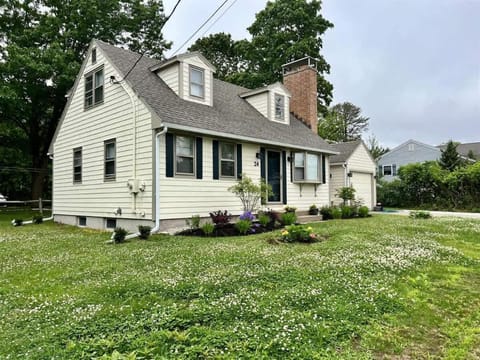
(201, 26)
(218, 18)
(143, 53)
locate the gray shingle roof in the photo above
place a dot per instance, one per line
(345, 149)
(230, 114)
(463, 149)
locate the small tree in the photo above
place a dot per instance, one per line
(251, 195)
(346, 193)
(450, 159)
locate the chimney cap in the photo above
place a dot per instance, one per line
(295, 64)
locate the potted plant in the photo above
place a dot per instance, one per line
(313, 210)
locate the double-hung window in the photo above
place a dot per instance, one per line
(77, 165)
(94, 88)
(197, 82)
(227, 160)
(185, 155)
(390, 170)
(279, 107)
(110, 159)
(307, 167)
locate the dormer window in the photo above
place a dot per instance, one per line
(197, 82)
(279, 107)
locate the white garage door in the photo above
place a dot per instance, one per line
(362, 183)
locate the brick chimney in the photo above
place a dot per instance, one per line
(300, 78)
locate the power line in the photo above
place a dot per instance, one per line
(218, 18)
(201, 26)
(161, 27)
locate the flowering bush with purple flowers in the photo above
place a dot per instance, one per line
(247, 215)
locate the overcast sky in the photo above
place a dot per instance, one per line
(413, 66)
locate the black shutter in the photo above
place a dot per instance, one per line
(263, 158)
(215, 159)
(394, 170)
(239, 161)
(292, 165)
(380, 170)
(284, 176)
(199, 150)
(169, 155)
(324, 174)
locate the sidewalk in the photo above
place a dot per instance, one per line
(465, 215)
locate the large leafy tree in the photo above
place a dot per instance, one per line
(284, 31)
(343, 122)
(42, 44)
(450, 159)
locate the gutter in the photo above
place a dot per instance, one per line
(247, 138)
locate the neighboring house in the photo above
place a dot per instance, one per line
(409, 152)
(167, 141)
(466, 149)
(353, 167)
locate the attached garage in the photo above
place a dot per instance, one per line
(355, 167)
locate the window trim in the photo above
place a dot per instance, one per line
(109, 177)
(393, 170)
(318, 180)
(281, 117)
(234, 160)
(93, 89)
(190, 81)
(194, 157)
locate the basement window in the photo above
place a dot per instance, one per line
(111, 223)
(82, 221)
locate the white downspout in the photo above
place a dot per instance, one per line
(157, 186)
(157, 179)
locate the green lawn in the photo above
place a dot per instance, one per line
(382, 287)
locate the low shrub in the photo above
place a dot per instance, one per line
(263, 219)
(243, 226)
(194, 222)
(348, 212)
(273, 217)
(144, 232)
(298, 233)
(208, 228)
(420, 215)
(363, 211)
(288, 218)
(336, 213)
(119, 234)
(326, 212)
(37, 219)
(220, 217)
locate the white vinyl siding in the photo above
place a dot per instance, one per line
(260, 102)
(170, 76)
(89, 130)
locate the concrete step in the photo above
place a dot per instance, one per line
(305, 219)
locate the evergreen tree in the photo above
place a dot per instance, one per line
(450, 159)
(343, 123)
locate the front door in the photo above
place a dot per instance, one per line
(274, 175)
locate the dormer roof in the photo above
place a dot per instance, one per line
(182, 57)
(263, 89)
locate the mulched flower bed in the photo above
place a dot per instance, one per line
(229, 230)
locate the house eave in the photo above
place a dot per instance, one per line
(245, 138)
